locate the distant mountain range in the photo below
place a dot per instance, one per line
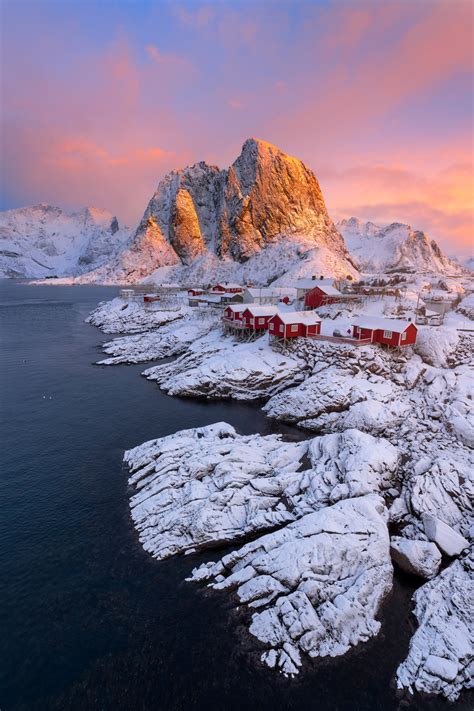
(395, 247)
(42, 241)
(262, 218)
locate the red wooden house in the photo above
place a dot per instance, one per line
(196, 292)
(388, 331)
(233, 314)
(291, 324)
(226, 286)
(256, 316)
(322, 295)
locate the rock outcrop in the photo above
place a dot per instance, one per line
(206, 486)
(441, 655)
(317, 584)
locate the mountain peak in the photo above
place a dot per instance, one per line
(265, 197)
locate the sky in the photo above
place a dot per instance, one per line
(100, 99)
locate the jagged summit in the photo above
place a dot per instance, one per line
(392, 247)
(262, 199)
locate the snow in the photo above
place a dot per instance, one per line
(306, 317)
(172, 338)
(217, 367)
(379, 424)
(205, 486)
(417, 557)
(436, 345)
(317, 584)
(446, 538)
(441, 655)
(119, 316)
(41, 241)
(393, 247)
(376, 323)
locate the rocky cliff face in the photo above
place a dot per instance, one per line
(395, 247)
(264, 197)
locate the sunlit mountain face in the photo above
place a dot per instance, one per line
(373, 97)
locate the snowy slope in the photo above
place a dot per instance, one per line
(43, 241)
(394, 247)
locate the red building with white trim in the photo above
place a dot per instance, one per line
(292, 324)
(322, 295)
(387, 331)
(256, 317)
(226, 286)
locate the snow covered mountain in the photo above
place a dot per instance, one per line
(203, 218)
(41, 241)
(395, 247)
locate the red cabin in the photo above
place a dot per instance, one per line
(390, 332)
(233, 313)
(256, 317)
(292, 324)
(225, 286)
(321, 296)
(196, 292)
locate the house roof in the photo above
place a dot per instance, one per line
(306, 317)
(212, 299)
(228, 285)
(378, 323)
(311, 283)
(327, 289)
(237, 307)
(261, 309)
(271, 291)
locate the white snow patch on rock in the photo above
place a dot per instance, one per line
(318, 584)
(218, 367)
(204, 486)
(441, 655)
(449, 540)
(417, 557)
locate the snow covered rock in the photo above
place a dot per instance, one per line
(218, 367)
(395, 247)
(449, 540)
(436, 345)
(441, 655)
(442, 486)
(337, 399)
(42, 241)
(417, 557)
(318, 584)
(348, 464)
(119, 316)
(172, 338)
(203, 486)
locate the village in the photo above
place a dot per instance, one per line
(293, 312)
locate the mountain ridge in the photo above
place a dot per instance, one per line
(44, 240)
(393, 247)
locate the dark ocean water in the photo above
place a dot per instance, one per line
(88, 620)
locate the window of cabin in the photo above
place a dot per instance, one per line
(294, 328)
(261, 320)
(282, 328)
(387, 334)
(404, 336)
